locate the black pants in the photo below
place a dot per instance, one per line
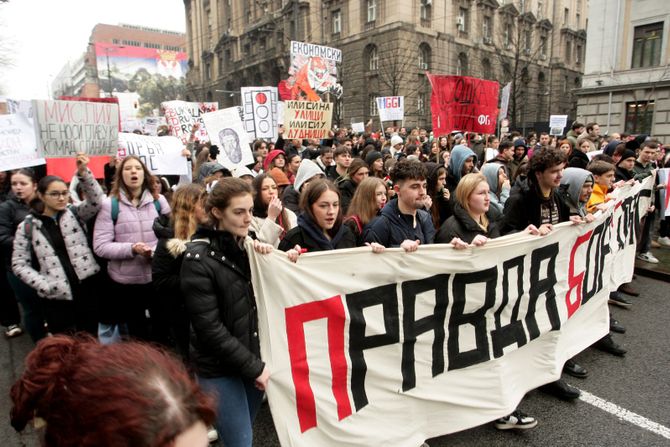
(128, 304)
(76, 315)
(9, 309)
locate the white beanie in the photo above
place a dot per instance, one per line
(242, 171)
(306, 171)
(396, 139)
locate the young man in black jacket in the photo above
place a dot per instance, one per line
(536, 202)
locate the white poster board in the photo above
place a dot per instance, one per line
(260, 105)
(180, 117)
(391, 108)
(358, 127)
(557, 123)
(18, 148)
(161, 155)
(227, 131)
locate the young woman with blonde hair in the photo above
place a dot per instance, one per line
(369, 198)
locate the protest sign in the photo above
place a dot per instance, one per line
(227, 131)
(260, 112)
(16, 106)
(18, 148)
(358, 127)
(376, 353)
(305, 119)
(161, 155)
(463, 103)
(280, 113)
(557, 124)
(591, 154)
(180, 117)
(151, 124)
(313, 71)
(664, 179)
(64, 128)
(391, 108)
(504, 101)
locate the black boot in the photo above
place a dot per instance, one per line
(608, 345)
(561, 389)
(575, 370)
(615, 326)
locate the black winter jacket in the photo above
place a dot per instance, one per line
(392, 227)
(523, 208)
(462, 226)
(578, 159)
(299, 236)
(347, 190)
(12, 213)
(216, 283)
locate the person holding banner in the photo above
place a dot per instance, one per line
(124, 235)
(271, 219)
(12, 212)
(51, 252)
(220, 302)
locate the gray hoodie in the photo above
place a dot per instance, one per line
(571, 188)
(498, 198)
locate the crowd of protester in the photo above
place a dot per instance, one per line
(137, 257)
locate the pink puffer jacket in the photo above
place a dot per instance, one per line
(114, 242)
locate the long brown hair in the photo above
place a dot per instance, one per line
(118, 184)
(184, 201)
(312, 195)
(260, 208)
(223, 192)
(364, 202)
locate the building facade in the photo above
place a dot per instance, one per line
(626, 86)
(387, 47)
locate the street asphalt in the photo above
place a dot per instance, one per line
(638, 383)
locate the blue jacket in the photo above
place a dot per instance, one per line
(392, 227)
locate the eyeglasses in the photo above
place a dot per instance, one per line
(57, 195)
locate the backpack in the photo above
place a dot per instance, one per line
(115, 208)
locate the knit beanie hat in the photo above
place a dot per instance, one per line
(306, 171)
(372, 157)
(279, 177)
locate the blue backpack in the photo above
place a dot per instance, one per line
(115, 208)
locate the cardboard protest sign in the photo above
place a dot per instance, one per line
(305, 119)
(358, 127)
(16, 106)
(260, 105)
(504, 100)
(557, 124)
(18, 148)
(391, 108)
(64, 128)
(313, 71)
(463, 103)
(397, 355)
(151, 124)
(181, 116)
(161, 155)
(227, 131)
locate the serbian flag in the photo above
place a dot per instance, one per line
(463, 103)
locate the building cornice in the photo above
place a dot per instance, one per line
(585, 91)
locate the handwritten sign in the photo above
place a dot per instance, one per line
(18, 148)
(391, 108)
(307, 119)
(181, 116)
(161, 155)
(463, 103)
(227, 131)
(557, 124)
(64, 128)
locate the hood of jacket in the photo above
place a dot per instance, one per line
(306, 171)
(572, 182)
(490, 171)
(459, 154)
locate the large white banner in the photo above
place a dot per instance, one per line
(161, 155)
(64, 128)
(227, 131)
(18, 148)
(260, 112)
(391, 108)
(392, 349)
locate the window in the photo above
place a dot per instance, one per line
(487, 71)
(337, 22)
(528, 40)
(115, 41)
(522, 6)
(506, 36)
(566, 16)
(543, 46)
(462, 21)
(372, 10)
(425, 9)
(152, 45)
(568, 51)
(639, 117)
(208, 71)
(372, 105)
(578, 54)
(220, 64)
(424, 57)
(372, 57)
(647, 42)
(486, 29)
(462, 67)
(421, 103)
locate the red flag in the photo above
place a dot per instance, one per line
(463, 103)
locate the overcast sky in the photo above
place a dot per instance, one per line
(44, 34)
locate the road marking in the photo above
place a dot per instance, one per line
(625, 415)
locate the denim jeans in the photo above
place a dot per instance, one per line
(237, 403)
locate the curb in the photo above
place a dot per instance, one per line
(643, 269)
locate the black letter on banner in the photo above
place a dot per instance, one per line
(542, 286)
(412, 328)
(503, 336)
(599, 240)
(477, 319)
(358, 342)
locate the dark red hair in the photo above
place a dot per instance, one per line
(107, 395)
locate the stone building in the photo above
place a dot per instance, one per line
(388, 45)
(626, 86)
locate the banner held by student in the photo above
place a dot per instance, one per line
(306, 119)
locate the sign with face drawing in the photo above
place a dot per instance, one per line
(226, 130)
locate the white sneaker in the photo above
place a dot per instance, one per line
(664, 241)
(516, 421)
(647, 257)
(212, 434)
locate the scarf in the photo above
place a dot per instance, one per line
(313, 230)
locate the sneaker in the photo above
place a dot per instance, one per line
(647, 257)
(212, 434)
(13, 330)
(664, 241)
(618, 300)
(516, 421)
(575, 370)
(561, 389)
